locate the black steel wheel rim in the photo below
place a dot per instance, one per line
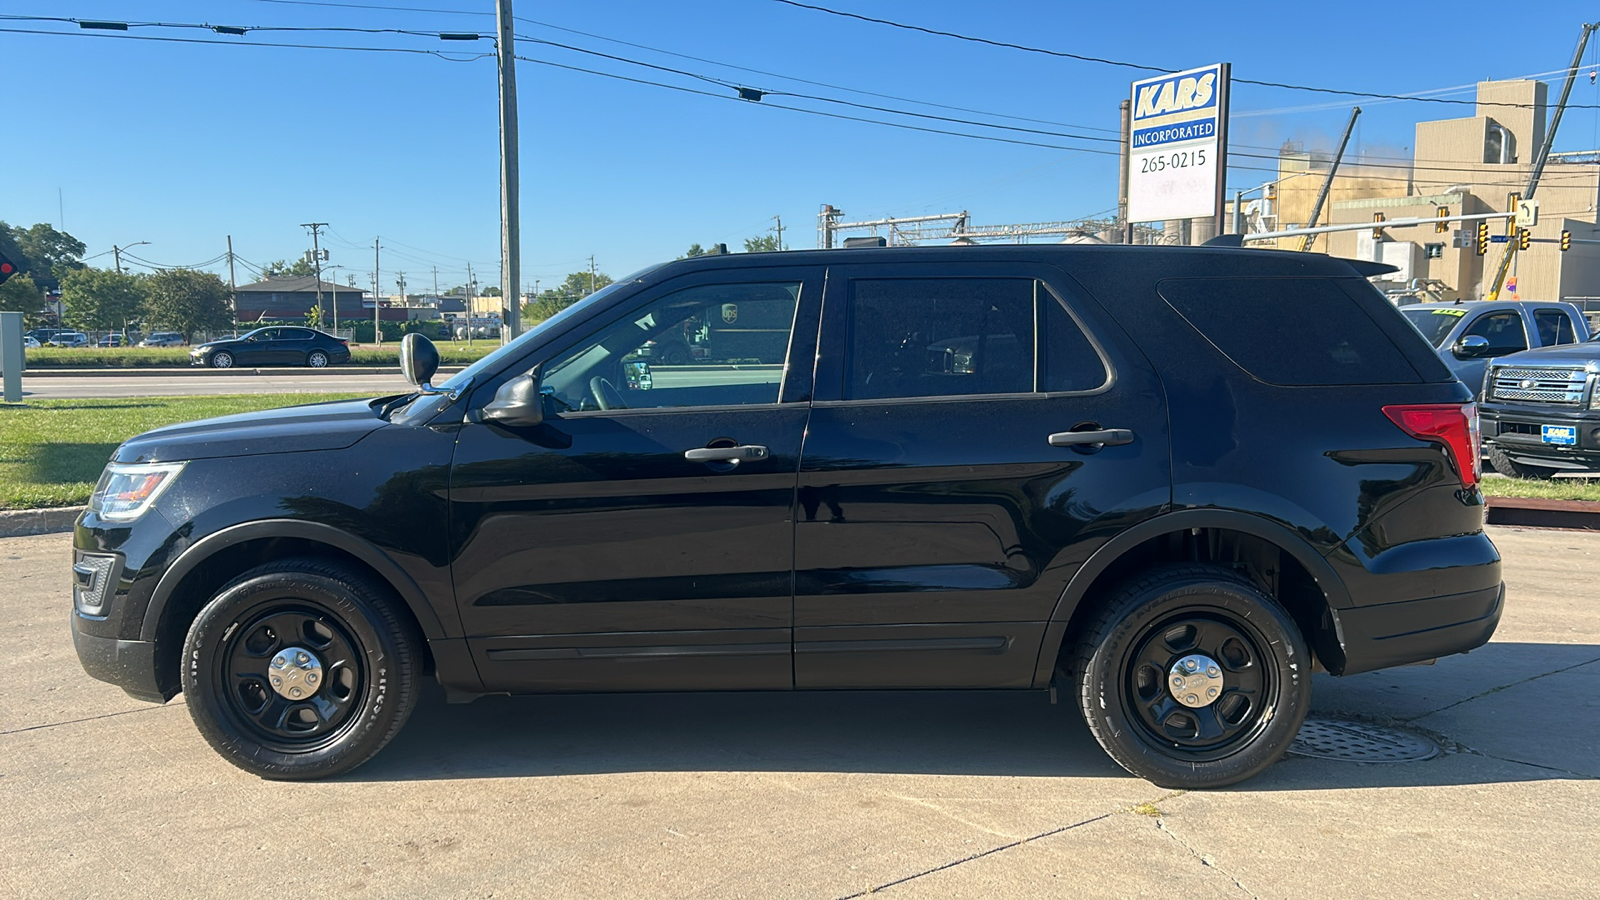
(278, 722)
(1245, 705)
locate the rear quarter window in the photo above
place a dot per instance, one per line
(1290, 331)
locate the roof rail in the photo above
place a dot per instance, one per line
(1225, 240)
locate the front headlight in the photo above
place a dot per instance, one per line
(126, 491)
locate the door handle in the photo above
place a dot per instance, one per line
(741, 453)
(1103, 437)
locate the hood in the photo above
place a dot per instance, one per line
(1561, 355)
(293, 429)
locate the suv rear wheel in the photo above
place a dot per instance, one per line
(300, 669)
(1191, 677)
(1505, 465)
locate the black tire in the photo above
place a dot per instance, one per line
(222, 359)
(1144, 629)
(1505, 465)
(368, 684)
(675, 355)
(317, 359)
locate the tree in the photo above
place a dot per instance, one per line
(763, 244)
(694, 250)
(101, 299)
(491, 291)
(20, 294)
(314, 317)
(572, 289)
(281, 269)
(188, 301)
(42, 252)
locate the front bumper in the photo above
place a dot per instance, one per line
(130, 665)
(1517, 430)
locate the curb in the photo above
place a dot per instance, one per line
(23, 522)
(200, 371)
(1530, 512)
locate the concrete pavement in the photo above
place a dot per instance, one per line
(936, 794)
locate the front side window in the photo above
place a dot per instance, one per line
(1503, 331)
(710, 345)
(940, 337)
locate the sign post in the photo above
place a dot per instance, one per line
(1178, 144)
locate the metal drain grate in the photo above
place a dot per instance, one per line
(1360, 742)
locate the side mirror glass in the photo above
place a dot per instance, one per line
(419, 360)
(638, 375)
(1472, 346)
(518, 403)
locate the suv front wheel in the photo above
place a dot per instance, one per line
(1502, 462)
(1191, 677)
(300, 669)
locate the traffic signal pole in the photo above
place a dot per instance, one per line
(1544, 155)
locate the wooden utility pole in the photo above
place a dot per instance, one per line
(510, 188)
(233, 288)
(1539, 161)
(377, 281)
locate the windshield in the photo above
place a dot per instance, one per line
(465, 376)
(1434, 323)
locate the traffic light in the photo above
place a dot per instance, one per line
(1483, 237)
(1566, 241)
(1441, 226)
(1524, 238)
(1377, 232)
(7, 268)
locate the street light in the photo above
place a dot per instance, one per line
(116, 253)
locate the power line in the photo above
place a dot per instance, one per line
(1139, 66)
(177, 40)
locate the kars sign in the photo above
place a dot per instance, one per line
(1178, 142)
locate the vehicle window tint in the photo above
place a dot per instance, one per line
(1503, 331)
(934, 337)
(1290, 331)
(1071, 362)
(1554, 327)
(710, 345)
(265, 334)
(1435, 322)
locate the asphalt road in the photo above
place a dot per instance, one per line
(814, 794)
(310, 382)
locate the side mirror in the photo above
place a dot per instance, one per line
(517, 403)
(1473, 346)
(638, 375)
(419, 360)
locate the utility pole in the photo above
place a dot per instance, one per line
(591, 274)
(377, 275)
(1122, 175)
(779, 229)
(401, 280)
(471, 312)
(316, 256)
(1327, 183)
(1544, 154)
(116, 256)
(233, 288)
(510, 188)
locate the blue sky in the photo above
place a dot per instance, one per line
(181, 145)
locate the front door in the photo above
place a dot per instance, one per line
(977, 431)
(642, 537)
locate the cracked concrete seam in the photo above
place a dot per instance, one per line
(125, 712)
(1204, 860)
(1128, 810)
(1504, 687)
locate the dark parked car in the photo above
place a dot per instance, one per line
(1145, 485)
(276, 346)
(1541, 411)
(113, 340)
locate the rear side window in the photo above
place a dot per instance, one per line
(1071, 362)
(1554, 327)
(940, 337)
(1290, 331)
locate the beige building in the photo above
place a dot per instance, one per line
(1468, 165)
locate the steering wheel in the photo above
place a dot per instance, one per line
(605, 394)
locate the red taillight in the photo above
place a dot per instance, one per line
(1453, 424)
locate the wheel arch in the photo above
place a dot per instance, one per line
(1309, 587)
(215, 559)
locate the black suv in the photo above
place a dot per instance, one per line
(1129, 472)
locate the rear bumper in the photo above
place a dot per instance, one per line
(1395, 634)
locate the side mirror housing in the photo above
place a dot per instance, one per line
(419, 360)
(518, 403)
(1473, 346)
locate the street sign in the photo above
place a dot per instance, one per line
(1175, 154)
(1499, 238)
(1527, 214)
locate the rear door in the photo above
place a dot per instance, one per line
(938, 523)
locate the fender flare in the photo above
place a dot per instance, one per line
(361, 549)
(1109, 552)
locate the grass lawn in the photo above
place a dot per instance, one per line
(1554, 489)
(450, 353)
(52, 451)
